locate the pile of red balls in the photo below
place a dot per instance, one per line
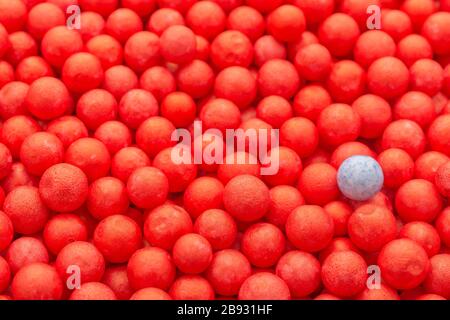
(94, 206)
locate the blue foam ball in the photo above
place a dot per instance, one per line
(360, 178)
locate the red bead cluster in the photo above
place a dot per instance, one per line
(95, 207)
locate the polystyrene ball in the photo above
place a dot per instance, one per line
(360, 178)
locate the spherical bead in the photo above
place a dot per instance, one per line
(12, 99)
(147, 187)
(63, 187)
(300, 283)
(178, 44)
(309, 228)
(365, 53)
(68, 129)
(195, 79)
(286, 23)
(218, 227)
(231, 48)
(278, 77)
(415, 106)
(371, 227)
(268, 48)
(264, 286)
(158, 81)
(246, 198)
(236, 84)
(117, 237)
(82, 72)
(388, 78)
(344, 273)
(437, 279)
(406, 135)
(114, 135)
(44, 17)
(7, 230)
(151, 267)
(310, 101)
(107, 49)
(338, 123)
(84, 255)
(63, 229)
(318, 184)
(313, 62)
(179, 108)
(192, 253)
(25, 251)
(26, 210)
(203, 194)
(179, 175)
(192, 287)
(248, 21)
(119, 80)
(136, 106)
(403, 263)
(418, 200)
(91, 156)
(93, 291)
(228, 271)
(206, 19)
(59, 43)
(436, 30)
(442, 179)
(126, 160)
(40, 151)
(360, 178)
(347, 81)
(37, 281)
(48, 98)
(428, 164)
(438, 134)
(107, 196)
(152, 294)
(164, 18)
(424, 234)
(123, 23)
(263, 244)
(397, 166)
(339, 33)
(165, 225)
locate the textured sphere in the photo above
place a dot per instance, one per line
(360, 178)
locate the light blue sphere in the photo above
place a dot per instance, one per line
(360, 178)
